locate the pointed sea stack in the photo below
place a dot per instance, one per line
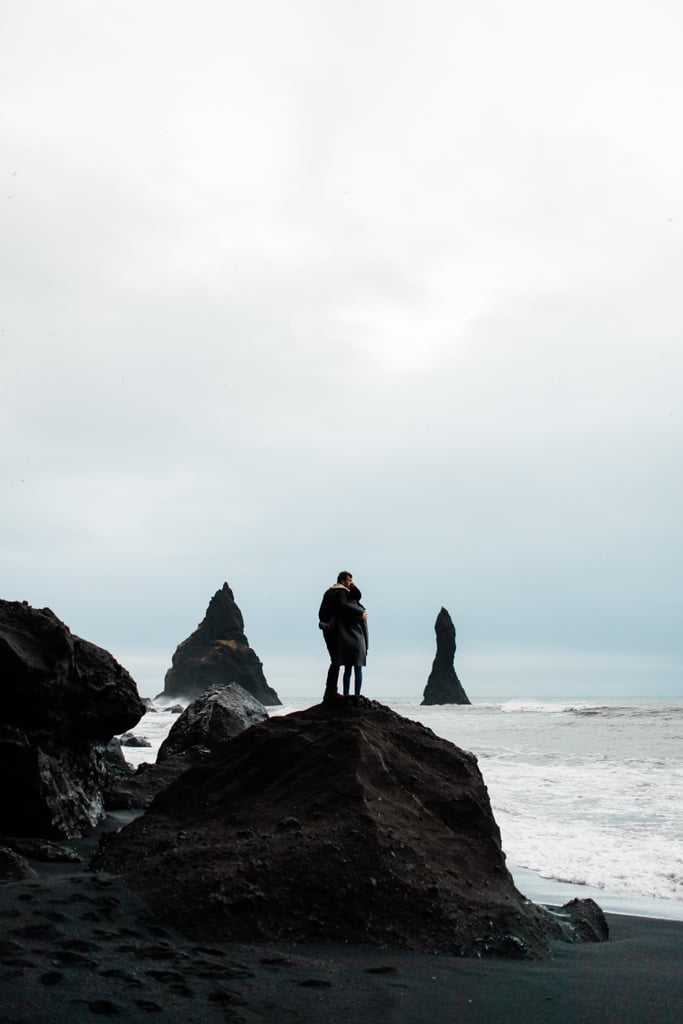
(443, 685)
(218, 653)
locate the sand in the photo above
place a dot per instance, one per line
(76, 945)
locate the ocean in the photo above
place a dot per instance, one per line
(588, 795)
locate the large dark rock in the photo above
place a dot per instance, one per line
(443, 685)
(341, 823)
(61, 700)
(209, 721)
(217, 653)
(205, 725)
(582, 921)
(41, 849)
(14, 867)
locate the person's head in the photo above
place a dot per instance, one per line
(345, 578)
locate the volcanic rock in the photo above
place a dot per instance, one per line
(443, 685)
(584, 920)
(209, 721)
(63, 699)
(115, 764)
(341, 823)
(14, 867)
(41, 849)
(129, 739)
(217, 653)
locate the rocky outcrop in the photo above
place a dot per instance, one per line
(341, 823)
(14, 867)
(41, 850)
(217, 653)
(129, 739)
(209, 721)
(201, 729)
(581, 921)
(443, 685)
(62, 699)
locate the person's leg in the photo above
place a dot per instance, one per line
(332, 681)
(358, 672)
(346, 679)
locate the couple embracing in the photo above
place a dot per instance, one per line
(344, 622)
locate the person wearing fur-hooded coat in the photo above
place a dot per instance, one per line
(342, 620)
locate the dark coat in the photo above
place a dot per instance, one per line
(341, 620)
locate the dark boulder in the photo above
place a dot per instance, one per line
(115, 764)
(208, 722)
(42, 850)
(14, 867)
(341, 823)
(582, 921)
(138, 787)
(129, 739)
(214, 717)
(61, 700)
(217, 653)
(443, 685)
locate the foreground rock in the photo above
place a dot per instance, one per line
(341, 823)
(14, 867)
(443, 685)
(209, 721)
(218, 653)
(62, 700)
(200, 730)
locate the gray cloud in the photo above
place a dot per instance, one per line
(287, 290)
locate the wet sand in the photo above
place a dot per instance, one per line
(75, 946)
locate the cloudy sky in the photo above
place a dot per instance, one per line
(394, 286)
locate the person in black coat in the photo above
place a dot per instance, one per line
(357, 663)
(342, 618)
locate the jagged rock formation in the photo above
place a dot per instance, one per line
(209, 721)
(341, 823)
(14, 867)
(62, 700)
(41, 849)
(201, 729)
(217, 653)
(129, 739)
(443, 685)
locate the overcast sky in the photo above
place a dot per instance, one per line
(289, 288)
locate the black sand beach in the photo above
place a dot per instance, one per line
(77, 945)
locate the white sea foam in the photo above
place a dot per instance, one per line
(584, 792)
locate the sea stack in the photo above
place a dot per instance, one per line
(218, 653)
(443, 685)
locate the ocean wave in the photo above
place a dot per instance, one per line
(634, 709)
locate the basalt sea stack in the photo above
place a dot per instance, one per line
(217, 653)
(61, 701)
(443, 685)
(341, 823)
